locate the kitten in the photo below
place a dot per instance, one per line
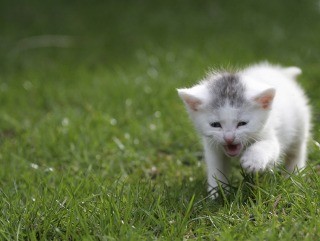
(259, 114)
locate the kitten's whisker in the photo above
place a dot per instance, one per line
(213, 142)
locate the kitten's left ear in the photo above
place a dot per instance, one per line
(192, 101)
(264, 99)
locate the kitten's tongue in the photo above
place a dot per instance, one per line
(233, 150)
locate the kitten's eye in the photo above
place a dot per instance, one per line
(242, 123)
(215, 124)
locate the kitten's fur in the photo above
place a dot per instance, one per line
(259, 114)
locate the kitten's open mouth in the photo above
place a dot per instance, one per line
(233, 150)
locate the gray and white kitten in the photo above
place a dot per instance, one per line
(259, 114)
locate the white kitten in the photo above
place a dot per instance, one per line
(259, 114)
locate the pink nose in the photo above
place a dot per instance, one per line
(228, 138)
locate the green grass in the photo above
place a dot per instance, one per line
(96, 145)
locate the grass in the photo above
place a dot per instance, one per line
(96, 145)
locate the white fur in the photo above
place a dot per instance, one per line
(278, 132)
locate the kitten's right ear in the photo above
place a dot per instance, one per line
(188, 97)
(265, 98)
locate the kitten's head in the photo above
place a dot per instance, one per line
(227, 111)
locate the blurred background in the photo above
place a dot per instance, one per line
(109, 33)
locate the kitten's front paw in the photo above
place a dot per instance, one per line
(253, 161)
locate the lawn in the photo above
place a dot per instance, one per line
(95, 143)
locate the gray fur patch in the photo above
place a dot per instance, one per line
(227, 88)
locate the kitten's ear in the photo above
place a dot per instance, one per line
(189, 98)
(265, 98)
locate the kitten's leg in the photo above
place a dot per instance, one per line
(297, 154)
(296, 158)
(217, 166)
(261, 155)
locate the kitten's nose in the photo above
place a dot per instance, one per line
(229, 137)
